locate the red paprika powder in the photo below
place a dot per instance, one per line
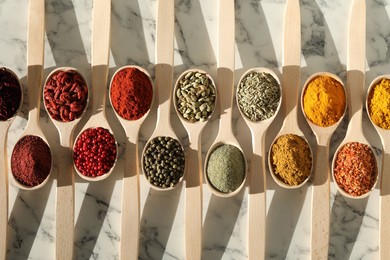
(31, 160)
(131, 93)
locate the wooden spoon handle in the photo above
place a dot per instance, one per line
(130, 204)
(225, 72)
(384, 218)
(35, 47)
(3, 191)
(320, 205)
(193, 204)
(257, 202)
(65, 200)
(101, 24)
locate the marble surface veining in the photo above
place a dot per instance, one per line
(259, 25)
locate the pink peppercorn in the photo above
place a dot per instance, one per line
(95, 152)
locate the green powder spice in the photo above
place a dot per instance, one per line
(291, 159)
(226, 168)
(258, 96)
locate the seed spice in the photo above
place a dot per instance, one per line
(195, 96)
(355, 168)
(258, 96)
(164, 161)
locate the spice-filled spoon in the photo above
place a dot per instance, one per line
(11, 93)
(354, 167)
(65, 96)
(194, 98)
(377, 104)
(131, 96)
(323, 102)
(290, 156)
(163, 160)
(225, 166)
(32, 148)
(95, 148)
(258, 99)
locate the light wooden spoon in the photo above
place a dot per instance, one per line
(101, 20)
(384, 217)
(35, 46)
(194, 179)
(225, 88)
(65, 181)
(355, 83)
(257, 180)
(164, 75)
(290, 80)
(320, 206)
(130, 219)
(4, 126)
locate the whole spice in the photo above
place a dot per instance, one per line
(226, 168)
(131, 93)
(291, 159)
(65, 95)
(355, 168)
(31, 160)
(95, 152)
(258, 96)
(10, 94)
(195, 96)
(379, 104)
(324, 101)
(164, 161)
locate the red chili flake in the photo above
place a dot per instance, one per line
(355, 168)
(94, 152)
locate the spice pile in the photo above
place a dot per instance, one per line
(258, 96)
(379, 104)
(226, 168)
(355, 168)
(164, 162)
(10, 94)
(195, 96)
(95, 152)
(291, 159)
(131, 93)
(324, 101)
(31, 160)
(65, 95)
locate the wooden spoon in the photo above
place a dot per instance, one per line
(225, 88)
(4, 126)
(35, 46)
(384, 218)
(355, 82)
(257, 179)
(194, 179)
(164, 74)
(320, 206)
(290, 80)
(65, 181)
(130, 222)
(101, 20)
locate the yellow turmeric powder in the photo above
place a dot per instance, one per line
(324, 101)
(379, 104)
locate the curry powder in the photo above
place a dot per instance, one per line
(379, 104)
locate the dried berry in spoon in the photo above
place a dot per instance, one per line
(10, 94)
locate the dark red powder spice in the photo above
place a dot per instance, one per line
(10, 94)
(31, 160)
(131, 93)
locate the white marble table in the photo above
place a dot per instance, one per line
(354, 224)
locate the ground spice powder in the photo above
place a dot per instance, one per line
(31, 160)
(131, 93)
(10, 94)
(355, 168)
(324, 101)
(291, 159)
(379, 104)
